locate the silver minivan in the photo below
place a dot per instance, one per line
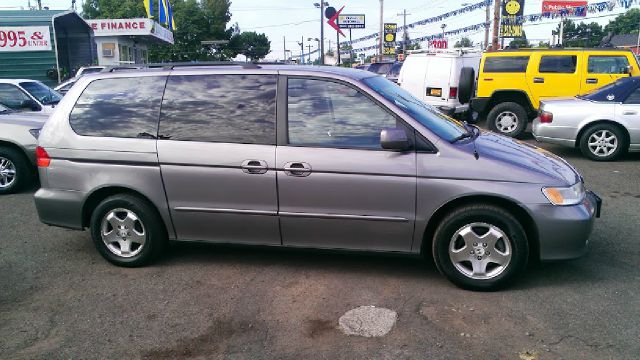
(307, 157)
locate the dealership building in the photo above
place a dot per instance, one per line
(126, 41)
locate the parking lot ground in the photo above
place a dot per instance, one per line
(60, 299)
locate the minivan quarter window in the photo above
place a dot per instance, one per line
(558, 64)
(119, 107)
(329, 114)
(220, 108)
(506, 64)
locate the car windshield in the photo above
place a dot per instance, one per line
(612, 92)
(44, 94)
(395, 70)
(380, 68)
(445, 127)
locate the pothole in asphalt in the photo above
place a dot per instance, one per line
(368, 321)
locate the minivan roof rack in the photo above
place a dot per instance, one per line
(244, 65)
(457, 51)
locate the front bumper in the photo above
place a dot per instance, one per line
(563, 231)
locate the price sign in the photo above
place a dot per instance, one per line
(25, 38)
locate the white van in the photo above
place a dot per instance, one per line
(443, 78)
(28, 95)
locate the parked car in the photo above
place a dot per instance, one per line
(512, 83)
(64, 86)
(362, 67)
(295, 156)
(442, 78)
(604, 124)
(84, 70)
(18, 138)
(28, 95)
(380, 68)
(394, 72)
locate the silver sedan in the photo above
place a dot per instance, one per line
(604, 124)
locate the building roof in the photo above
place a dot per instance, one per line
(625, 40)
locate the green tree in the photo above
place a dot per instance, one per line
(520, 42)
(626, 23)
(253, 45)
(580, 35)
(113, 9)
(463, 43)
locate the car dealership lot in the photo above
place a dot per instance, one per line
(60, 299)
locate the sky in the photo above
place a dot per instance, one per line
(295, 20)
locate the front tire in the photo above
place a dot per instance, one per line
(480, 247)
(15, 171)
(603, 142)
(508, 118)
(127, 231)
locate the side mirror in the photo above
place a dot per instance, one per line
(627, 69)
(30, 104)
(394, 139)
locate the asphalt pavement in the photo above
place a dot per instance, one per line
(60, 300)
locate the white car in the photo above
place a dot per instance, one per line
(28, 95)
(442, 78)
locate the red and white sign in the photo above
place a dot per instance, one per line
(25, 38)
(439, 44)
(555, 6)
(130, 27)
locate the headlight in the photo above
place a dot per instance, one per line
(565, 195)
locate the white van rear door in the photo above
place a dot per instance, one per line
(412, 75)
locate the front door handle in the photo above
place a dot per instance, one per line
(254, 167)
(629, 112)
(538, 80)
(592, 81)
(297, 169)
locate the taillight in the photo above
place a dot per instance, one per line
(42, 158)
(546, 117)
(453, 93)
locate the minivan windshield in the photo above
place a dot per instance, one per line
(445, 127)
(44, 94)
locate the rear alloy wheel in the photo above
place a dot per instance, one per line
(508, 119)
(480, 247)
(14, 171)
(127, 231)
(603, 142)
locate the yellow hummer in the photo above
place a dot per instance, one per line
(511, 83)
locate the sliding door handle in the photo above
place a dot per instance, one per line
(297, 169)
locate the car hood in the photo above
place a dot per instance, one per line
(508, 159)
(32, 120)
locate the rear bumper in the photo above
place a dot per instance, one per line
(563, 231)
(553, 134)
(60, 207)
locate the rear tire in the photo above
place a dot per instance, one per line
(497, 240)
(128, 231)
(15, 171)
(508, 118)
(603, 142)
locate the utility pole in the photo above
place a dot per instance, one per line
(561, 31)
(486, 25)
(381, 29)
(496, 25)
(309, 60)
(301, 51)
(404, 36)
(39, 4)
(284, 48)
(321, 32)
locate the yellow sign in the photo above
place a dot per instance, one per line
(509, 28)
(388, 51)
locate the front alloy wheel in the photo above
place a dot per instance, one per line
(480, 250)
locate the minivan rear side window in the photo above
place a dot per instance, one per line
(119, 107)
(506, 64)
(558, 64)
(220, 108)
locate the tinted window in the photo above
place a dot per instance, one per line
(380, 68)
(11, 96)
(506, 64)
(324, 113)
(119, 107)
(607, 64)
(442, 125)
(43, 93)
(395, 70)
(563, 64)
(634, 97)
(220, 108)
